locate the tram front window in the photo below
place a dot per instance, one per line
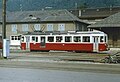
(22, 39)
(105, 38)
(101, 39)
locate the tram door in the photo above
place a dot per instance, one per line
(43, 42)
(27, 42)
(95, 43)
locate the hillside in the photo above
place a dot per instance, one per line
(17, 5)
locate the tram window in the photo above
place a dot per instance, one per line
(58, 38)
(105, 39)
(68, 38)
(16, 37)
(12, 37)
(22, 39)
(86, 38)
(101, 39)
(77, 39)
(35, 39)
(51, 39)
(19, 37)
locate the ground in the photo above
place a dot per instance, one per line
(59, 60)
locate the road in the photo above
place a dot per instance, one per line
(53, 67)
(42, 75)
(57, 61)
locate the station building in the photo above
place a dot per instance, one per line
(103, 19)
(111, 26)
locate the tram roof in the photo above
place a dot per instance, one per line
(62, 33)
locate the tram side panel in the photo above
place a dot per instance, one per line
(23, 46)
(77, 47)
(48, 46)
(62, 46)
(88, 47)
(103, 47)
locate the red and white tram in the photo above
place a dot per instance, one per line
(71, 41)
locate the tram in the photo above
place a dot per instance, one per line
(89, 41)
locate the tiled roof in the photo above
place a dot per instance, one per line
(41, 16)
(111, 21)
(99, 12)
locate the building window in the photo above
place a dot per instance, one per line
(37, 27)
(49, 27)
(25, 28)
(61, 27)
(14, 28)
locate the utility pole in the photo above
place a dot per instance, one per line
(4, 19)
(3, 25)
